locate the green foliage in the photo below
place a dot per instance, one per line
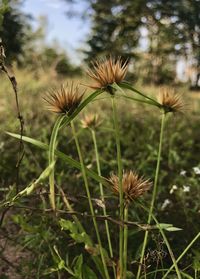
(63, 67)
(54, 244)
(79, 237)
(14, 28)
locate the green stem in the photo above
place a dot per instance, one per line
(166, 242)
(169, 248)
(85, 102)
(121, 203)
(70, 208)
(52, 147)
(153, 195)
(102, 196)
(89, 199)
(129, 86)
(125, 239)
(81, 228)
(182, 254)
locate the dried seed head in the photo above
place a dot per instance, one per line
(90, 121)
(133, 186)
(170, 101)
(107, 71)
(64, 100)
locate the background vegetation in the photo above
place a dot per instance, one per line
(31, 239)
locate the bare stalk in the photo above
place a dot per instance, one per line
(154, 194)
(13, 81)
(121, 203)
(90, 200)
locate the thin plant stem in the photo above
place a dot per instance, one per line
(78, 223)
(153, 195)
(102, 196)
(125, 239)
(119, 163)
(69, 207)
(166, 243)
(129, 86)
(89, 199)
(169, 249)
(182, 254)
(13, 81)
(52, 147)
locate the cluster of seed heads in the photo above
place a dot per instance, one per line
(104, 73)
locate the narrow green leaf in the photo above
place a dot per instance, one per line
(62, 156)
(78, 266)
(88, 273)
(52, 147)
(173, 229)
(30, 188)
(130, 87)
(139, 100)
(81, 106)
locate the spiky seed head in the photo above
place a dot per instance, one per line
(65, 99)
(90, 121)
(107, 71)
(133, 186)
(170, 101)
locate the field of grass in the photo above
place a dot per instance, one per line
(47, 248)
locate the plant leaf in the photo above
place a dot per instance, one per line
(81, 106)
(63, 156)
(130, 87)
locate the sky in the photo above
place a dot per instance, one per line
(70, 33)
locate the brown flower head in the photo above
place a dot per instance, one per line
(107, 71)
(133, 186)
(64, 100)
(170, 101)
(90, 121)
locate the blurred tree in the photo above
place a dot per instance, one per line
(115, 28)
(3, 9)
(182, 19)
(189, 17)
(173, 30)
(13, 29)
(161, 52)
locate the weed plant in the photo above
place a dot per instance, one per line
(96, 209)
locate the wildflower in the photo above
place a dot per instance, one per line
(183, 172)
(165, 204)
(105, 72)
(174, 188)
(170, 101)
(186, 189)
(196, 170)
(100, 203)
(90, 121)
(133, 186)
(65, 100)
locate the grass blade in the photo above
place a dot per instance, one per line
(73, 163)
(81, 106)
(52, 147)
(130, 87)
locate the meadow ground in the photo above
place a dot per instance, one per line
(32, 231)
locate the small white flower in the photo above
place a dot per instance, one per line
(186, 189)
(196, 170)
(183, 172)
(165, 204)
(100, 203)
(174, 188)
